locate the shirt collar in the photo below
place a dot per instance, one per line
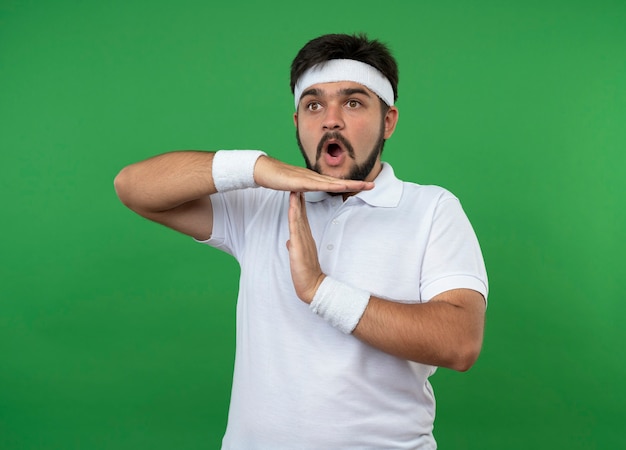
(386, 193)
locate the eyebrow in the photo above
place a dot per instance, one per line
(352, 91)
(347, 91)
(313, 92)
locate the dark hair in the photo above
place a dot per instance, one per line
(346, 46)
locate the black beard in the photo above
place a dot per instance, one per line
(359, 171)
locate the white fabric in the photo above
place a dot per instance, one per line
(234, 169)
(299, 382)
(339, 304)
(345, 70)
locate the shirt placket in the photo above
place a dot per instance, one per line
(330, 244)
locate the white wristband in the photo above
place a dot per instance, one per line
(339, 304)
(234, 169)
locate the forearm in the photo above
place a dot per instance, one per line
(445, 332)
(166, 181)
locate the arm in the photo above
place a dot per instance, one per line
(173, 188)
(447, 331)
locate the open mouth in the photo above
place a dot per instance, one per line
(334, 149)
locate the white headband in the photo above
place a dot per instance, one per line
(345, 70)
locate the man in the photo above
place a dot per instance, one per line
(354, 285)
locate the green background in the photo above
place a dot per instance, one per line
(116, 333)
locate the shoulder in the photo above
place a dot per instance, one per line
(425, 197)
(411, 191)
(430, 191)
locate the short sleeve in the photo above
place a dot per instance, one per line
(453, 259)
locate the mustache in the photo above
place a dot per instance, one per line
(334, 135)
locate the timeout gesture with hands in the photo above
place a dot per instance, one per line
(339, 304)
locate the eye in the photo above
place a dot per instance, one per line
(313, 106)
(353, 103)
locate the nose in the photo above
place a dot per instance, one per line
(333, 119)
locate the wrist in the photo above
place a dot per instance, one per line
(339, 304)
(234, 169)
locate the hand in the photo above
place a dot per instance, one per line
(306, 272)
(274, 174)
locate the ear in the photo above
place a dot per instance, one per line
(295, 119)
(391, 120)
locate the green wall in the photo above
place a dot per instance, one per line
(116, 333)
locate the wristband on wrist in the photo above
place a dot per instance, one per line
(339, 304)
(234, 169)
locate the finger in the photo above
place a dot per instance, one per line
(329, 184)
(299, 229)
(293, 210)
(274, 174)
(302, 221)
(303, 205)
(295, 217)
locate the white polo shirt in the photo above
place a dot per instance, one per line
(298, 382)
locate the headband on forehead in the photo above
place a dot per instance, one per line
(345, 70)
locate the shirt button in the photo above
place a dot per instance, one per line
(330, 246)
(335, 222)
